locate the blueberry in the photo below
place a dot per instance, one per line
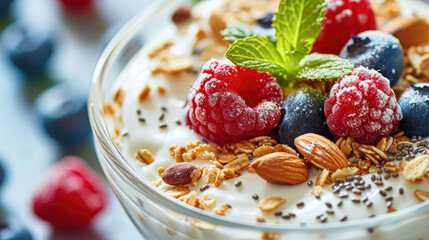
(267, 21)
(11, 229)
(28, 49)
(303, 114)
(264, 27)
(64, 115)
(414, 103)
(4, 7)
(376, 50)
(2, 173)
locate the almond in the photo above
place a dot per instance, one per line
(217, 24)
(321, 152)
(421, 195)
(410, 31)
(181, 174)
(281, 168)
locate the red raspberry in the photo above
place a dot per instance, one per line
(343, 19)
(71, 196)
(229, 103)
(362, 105)
(76, 6)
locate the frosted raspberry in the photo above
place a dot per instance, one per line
(343, 19)
(229, 103)
(362, 105)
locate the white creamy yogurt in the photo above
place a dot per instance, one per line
(149, 136)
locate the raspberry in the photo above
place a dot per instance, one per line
(362, 105)
(343, 19)
(229, 103)
(71, 197)
(77, 6)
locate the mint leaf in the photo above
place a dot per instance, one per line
(196, 1)
(258, 53)
(323, 66)
(297, 24)
(234, 32)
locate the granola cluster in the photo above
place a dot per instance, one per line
(230, 160)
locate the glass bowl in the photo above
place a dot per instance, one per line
(158, 216)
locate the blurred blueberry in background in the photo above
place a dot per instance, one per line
(2, 173)
(4, 7)
(64, 115)
(28, 49)
(12, 229)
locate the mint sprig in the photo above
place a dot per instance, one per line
(297, 24)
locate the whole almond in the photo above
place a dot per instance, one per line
(281, 168)
(410, 31)
(321, 152)
(180, 174)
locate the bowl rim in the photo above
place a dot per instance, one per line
(130, 175)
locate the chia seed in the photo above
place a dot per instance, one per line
(142, 119)
(389, 199)
(379, 183)
(343, 195)
(391, 151)
(339, 180)
(357, 192)
(237, 183)
(330, 212)
(161, 118)
(278, 214)
(203, 188)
